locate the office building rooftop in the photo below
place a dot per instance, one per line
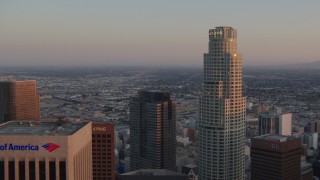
(153, 172)
(41, 128)
(277, 138)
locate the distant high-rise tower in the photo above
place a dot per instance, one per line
(275, 124)
(19, 100)
(103, 160)
(152, 131)
(222, 109)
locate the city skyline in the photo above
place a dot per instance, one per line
(153, 33)
(104, 96)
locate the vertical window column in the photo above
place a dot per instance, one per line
(32, 170)
(2, 169)
(62, 170)
(12, 170)
(42, 170)
(52, 170)
(22, 171)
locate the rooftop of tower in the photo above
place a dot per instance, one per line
(154, 95)
(40, 128)
(221, 32)
(12, 80)
(223, 27)
(276, 137)
(153, 172)
(273, 114)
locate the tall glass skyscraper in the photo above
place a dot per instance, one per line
(222, 109)
(152, 131)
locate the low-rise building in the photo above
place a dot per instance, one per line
(45, 150)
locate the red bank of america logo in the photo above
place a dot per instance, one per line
(50, 147)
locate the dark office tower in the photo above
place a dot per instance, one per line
(275, 157)
(103, 159)
(222, 109)
(19, 100)
(152, 131)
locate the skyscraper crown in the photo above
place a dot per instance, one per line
(222, 32)
(154, 96)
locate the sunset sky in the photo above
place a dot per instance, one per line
(146, 32)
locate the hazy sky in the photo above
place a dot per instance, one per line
(150, 32)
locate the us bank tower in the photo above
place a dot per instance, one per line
(222, 109)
